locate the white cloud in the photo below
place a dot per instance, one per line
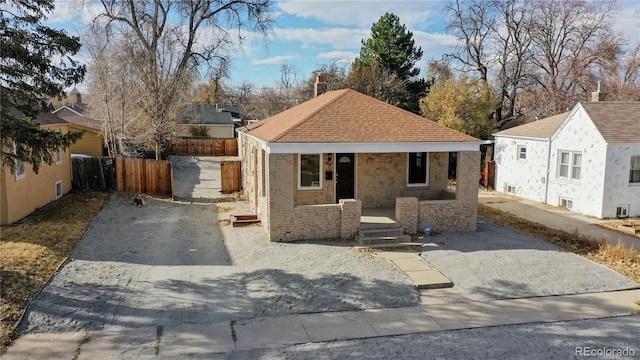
(274, 60)
(628, 21)
(433, 43)
(337, 55)
(364, 13)
(77, 12)
(337, 38)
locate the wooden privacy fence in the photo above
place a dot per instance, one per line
(93, 173)
(231, 176)
(144, 176)
(204, 146)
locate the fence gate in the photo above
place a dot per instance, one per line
(231, 176)
(144, 175)
(93, 173)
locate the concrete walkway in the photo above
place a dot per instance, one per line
(556, 219)
(196, 341)
(417, 269)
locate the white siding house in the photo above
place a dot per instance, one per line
(591, 164)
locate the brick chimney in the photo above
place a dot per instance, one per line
(78, 96)
(320, 87)
(598, 95)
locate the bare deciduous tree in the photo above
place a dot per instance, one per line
(171, 41)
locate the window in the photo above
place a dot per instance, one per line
(566, 203)
(634, 173)
(58, 189)
(522, 152)
(511, 189)
(570, 164)
(418, 169)
(310, 169)
(622, 211)
(58, 157)
(20, 173)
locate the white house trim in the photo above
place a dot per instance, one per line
(294, 148)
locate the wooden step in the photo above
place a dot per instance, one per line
(240, 220)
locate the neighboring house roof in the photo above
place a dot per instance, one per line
(207, 114)
(47, 118)
(347, 116)
(74, 108)
(617, 121)
(543, 128)
(84, 121)
(50, 119)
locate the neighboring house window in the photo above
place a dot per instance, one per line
(566, 203)
(634, 173)
(522, 152)
(570, 165)
(418, 169)
(20, 173)
(58, 157)
(58, 189)
(511, 189)
(310, 169)
(622, 211)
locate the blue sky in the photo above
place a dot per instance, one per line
(306, 34)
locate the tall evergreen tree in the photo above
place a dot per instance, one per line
(392, 48)
(34, 63)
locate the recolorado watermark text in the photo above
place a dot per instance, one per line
(604, 352)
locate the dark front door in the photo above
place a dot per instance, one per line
(345, 176)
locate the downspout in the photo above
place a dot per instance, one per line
(546, 181)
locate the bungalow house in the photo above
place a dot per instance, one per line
(219, 119)
(311, 171)
(23, 191)
(587, 160)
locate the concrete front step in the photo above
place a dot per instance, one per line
(379, 224)
(381, 232)
(382, 239)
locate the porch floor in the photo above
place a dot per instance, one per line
(377, 217)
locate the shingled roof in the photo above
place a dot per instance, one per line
(538, 129)
(347, 116)
(617, 121)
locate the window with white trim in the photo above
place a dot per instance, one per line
(58, 156)
(20, 172)
(622, 211)
(566, 203)
(569, 165)
(522, 152)
(310, 168)
(418, 169)
(634, 173)
(58, 189)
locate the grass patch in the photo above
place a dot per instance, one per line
(32, 250)
(617, 257)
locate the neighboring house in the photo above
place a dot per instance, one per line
(92, 142)
(219, 119)
(23, 191)
(309, 171)
(587, 160)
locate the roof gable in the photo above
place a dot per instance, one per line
(347, 116)
(537, 129)
(616, 121)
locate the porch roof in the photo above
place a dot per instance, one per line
(349, 118)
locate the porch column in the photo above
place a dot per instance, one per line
(407, 213)
(351, 210)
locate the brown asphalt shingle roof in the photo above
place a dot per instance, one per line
(347, 116)
(85, 121)
(617, 121)
(543, 128)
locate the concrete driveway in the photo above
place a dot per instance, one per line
(176, 277)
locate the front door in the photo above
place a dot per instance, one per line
(345, 176)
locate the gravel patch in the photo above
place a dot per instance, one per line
(170, 263)
(537, 341)
(499, 263)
